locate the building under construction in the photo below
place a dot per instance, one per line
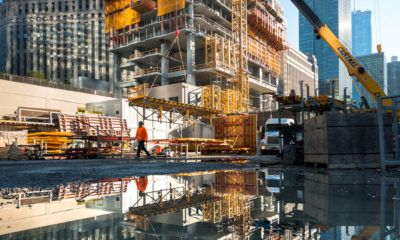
(227, 54)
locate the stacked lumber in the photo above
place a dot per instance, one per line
(87, 124)
(52, 142)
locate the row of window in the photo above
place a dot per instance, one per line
(61, 69)
(59, 6)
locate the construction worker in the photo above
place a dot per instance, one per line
(141, 137)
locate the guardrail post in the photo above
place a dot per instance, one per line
(381, 127)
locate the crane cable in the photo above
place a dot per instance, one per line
(377, 13)
(176, 40)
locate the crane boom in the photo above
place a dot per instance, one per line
(353, 66)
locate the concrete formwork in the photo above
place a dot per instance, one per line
(340, 140)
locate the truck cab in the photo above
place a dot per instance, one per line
(272, 140)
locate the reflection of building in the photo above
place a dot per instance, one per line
(225, 207)
(173, 207)
(337, 15)
(349, 203)
(299, 67)
(95, 227)
(34, 215)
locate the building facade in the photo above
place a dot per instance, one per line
(361, 32)
(375, 64)
(63, 41)
(227, 48)
(337, 15)
(393, 76)
(299, 67)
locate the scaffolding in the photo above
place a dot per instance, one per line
(220, 54)
(266, 35)
(239, 29)
(257, 35)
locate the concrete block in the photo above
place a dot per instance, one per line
(340, 140)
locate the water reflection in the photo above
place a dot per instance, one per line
(267, 204)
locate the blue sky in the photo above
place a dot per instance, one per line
(389, 30)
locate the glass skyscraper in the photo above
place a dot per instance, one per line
(375, 64)
(337, 15)
(362, 33)
(393, 76)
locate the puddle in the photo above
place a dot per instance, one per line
(270, 203)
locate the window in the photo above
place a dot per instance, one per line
(175, 99)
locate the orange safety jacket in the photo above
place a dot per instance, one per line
(141, 134)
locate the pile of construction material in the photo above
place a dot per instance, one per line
(237, 130)
(10, 137)
(11, 152)
(93, 125)
(51, 142)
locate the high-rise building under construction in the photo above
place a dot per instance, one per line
(230, 50)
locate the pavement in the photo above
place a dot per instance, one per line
(50, 173)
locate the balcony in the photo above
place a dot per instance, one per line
(261, 86)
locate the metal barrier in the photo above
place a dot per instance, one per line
(392, 157)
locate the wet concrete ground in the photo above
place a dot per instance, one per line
(50, 173)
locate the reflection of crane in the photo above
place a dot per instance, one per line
(353, 66)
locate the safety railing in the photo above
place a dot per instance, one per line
(138, 54)
(213, 23)
(389, 142)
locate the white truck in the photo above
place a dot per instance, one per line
(272, 140)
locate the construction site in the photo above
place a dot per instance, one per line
(214, 127)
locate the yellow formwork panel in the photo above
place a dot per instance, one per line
(115, 5)
(168, 6)
(121, 19)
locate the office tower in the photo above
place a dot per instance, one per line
(361, 33)
(375, 64)
(393, 76)
(337, 15)
(299, 67)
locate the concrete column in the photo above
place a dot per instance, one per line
(164, 63)
(116, 73)
(8, 61)
(190, 46)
